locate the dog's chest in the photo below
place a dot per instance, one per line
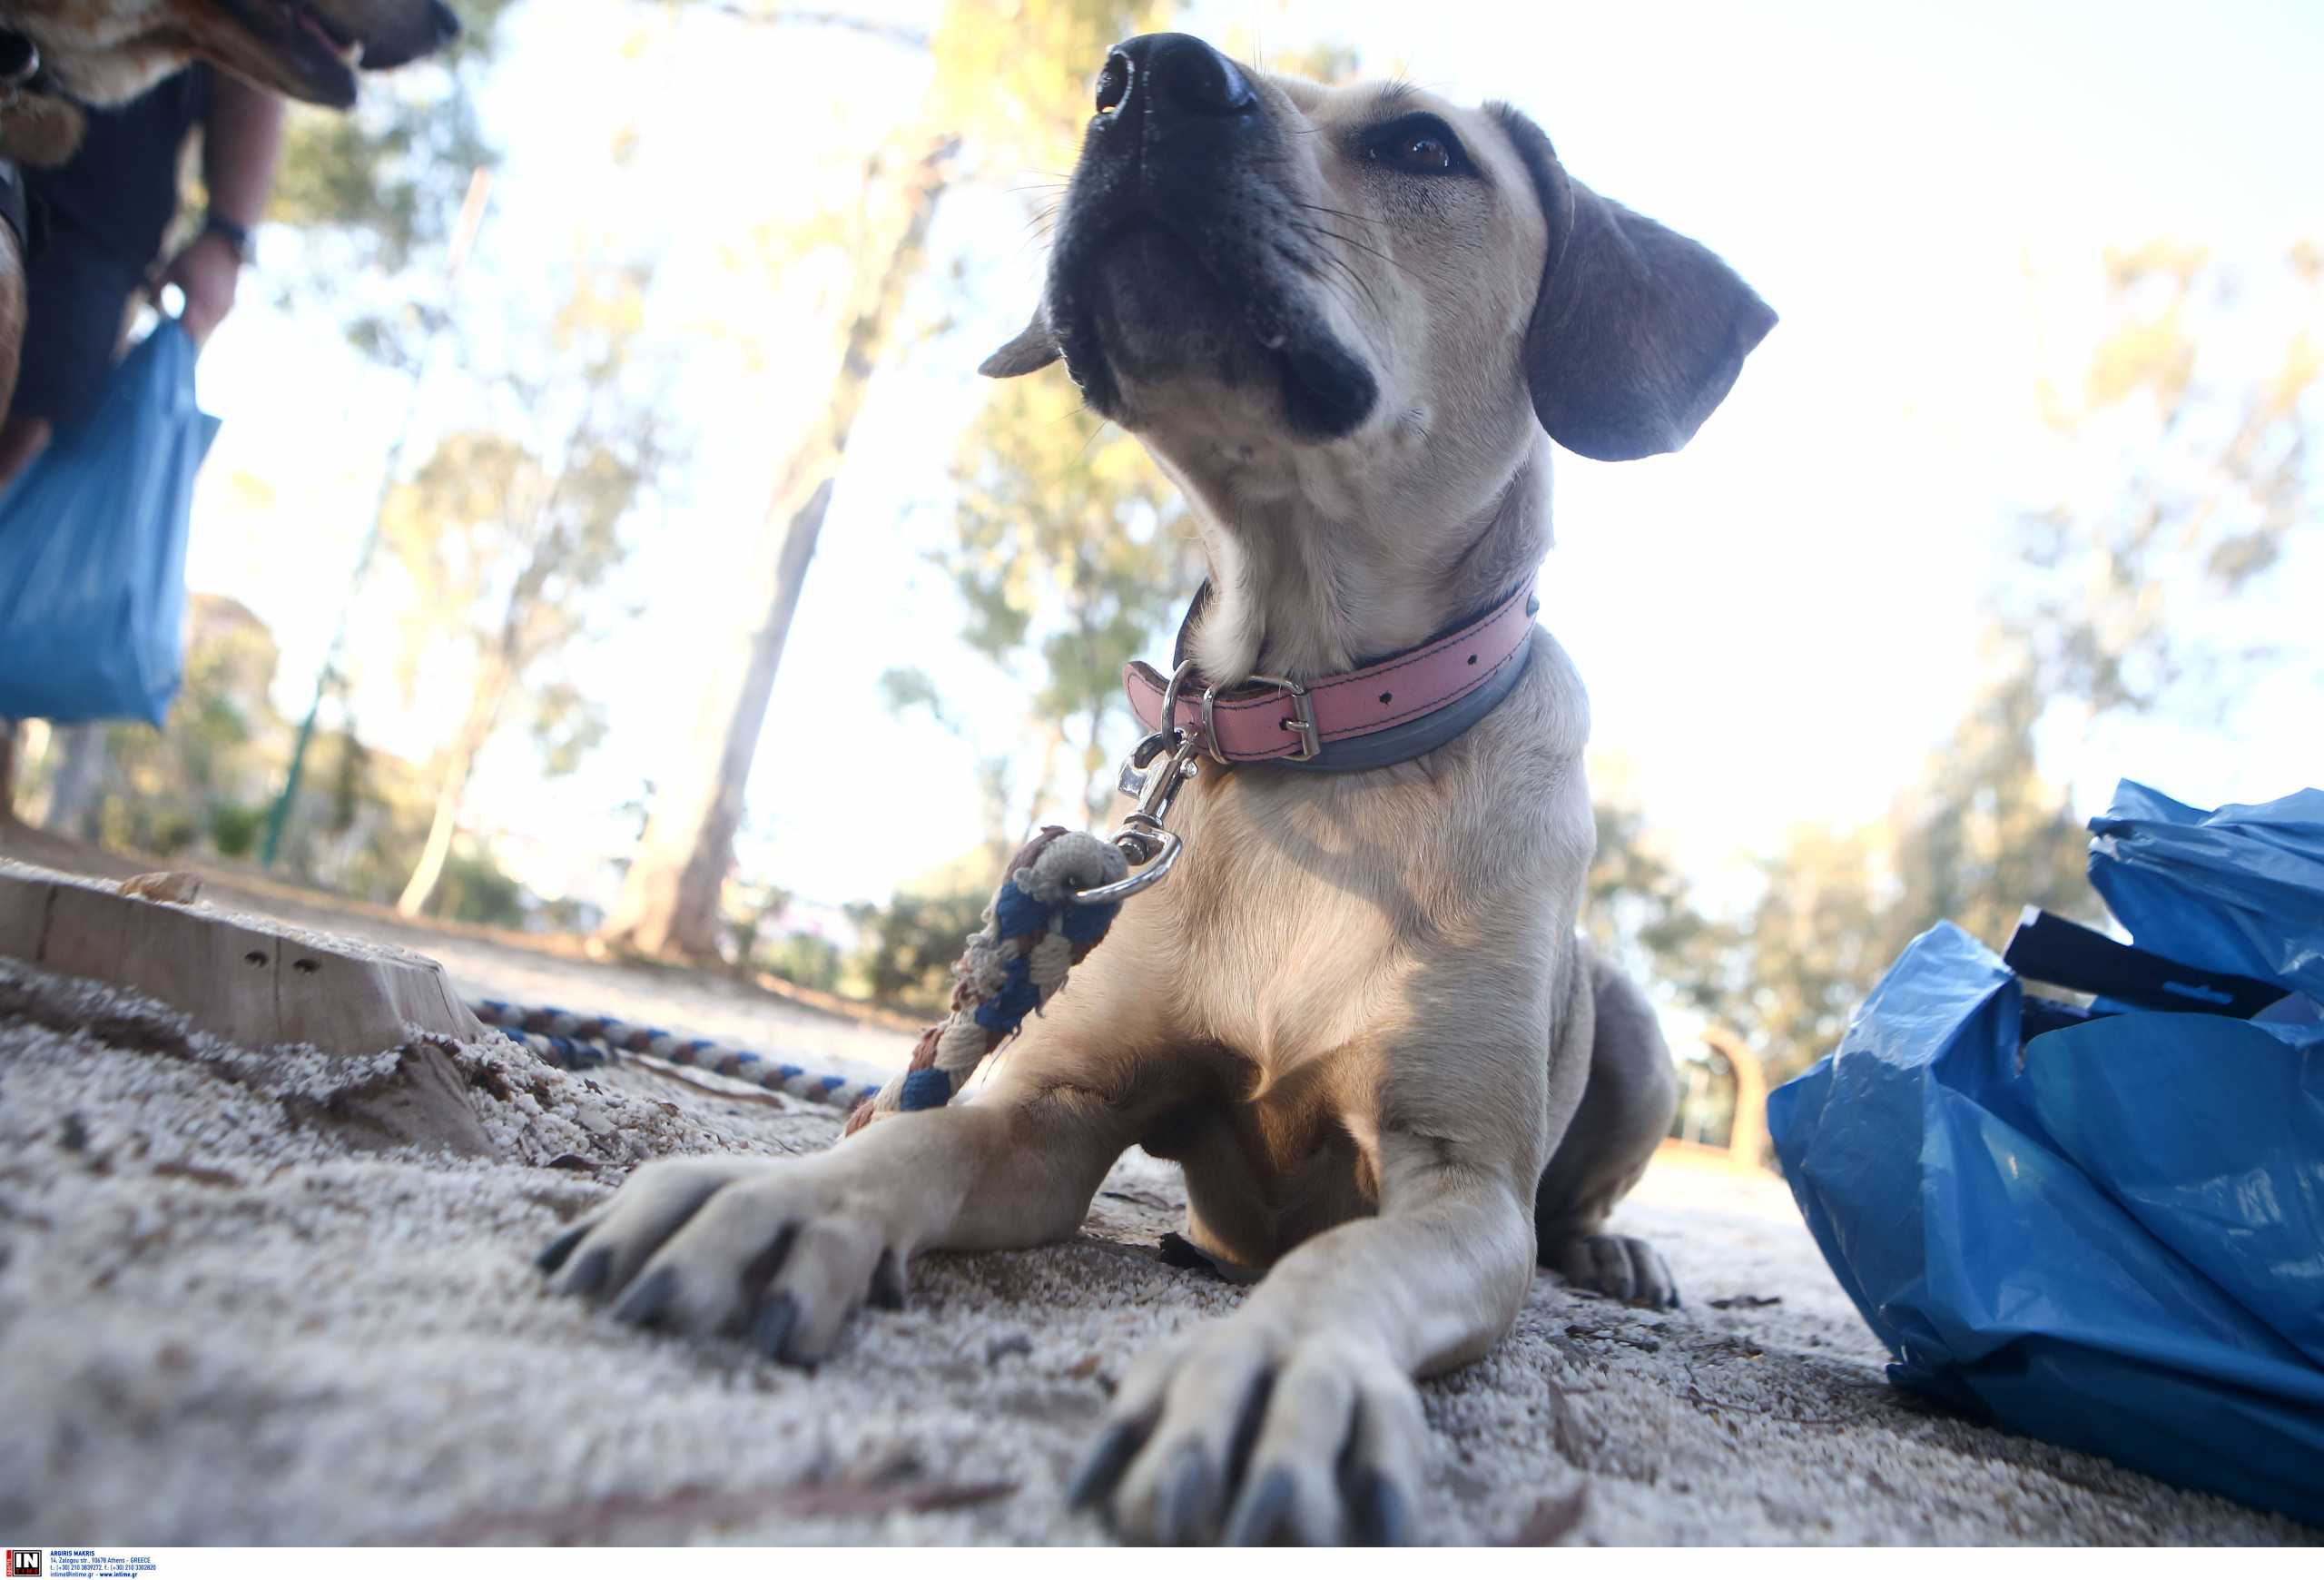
(1294, 916)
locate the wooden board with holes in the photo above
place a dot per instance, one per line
(253, 982)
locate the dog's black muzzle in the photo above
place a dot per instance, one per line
(1180, 249)
(1174, 115)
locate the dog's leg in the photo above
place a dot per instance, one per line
(1296, 1417)
(1626, 1110)
(784, 1250)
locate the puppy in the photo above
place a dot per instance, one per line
(1348, 323)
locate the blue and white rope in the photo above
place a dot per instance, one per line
(1033, 933)
(585, 1041)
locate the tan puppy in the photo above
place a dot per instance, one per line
(1348, 322)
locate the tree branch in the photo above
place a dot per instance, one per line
(895, 32)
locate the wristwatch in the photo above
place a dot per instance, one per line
(235, 236)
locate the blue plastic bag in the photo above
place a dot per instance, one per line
(2241, 889)
(2109, 1235)
(93, 549)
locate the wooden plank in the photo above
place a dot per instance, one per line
(251, 981)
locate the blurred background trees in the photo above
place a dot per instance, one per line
(507, 538)
(1009, 79)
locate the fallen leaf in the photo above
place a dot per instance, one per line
(1554, 1518)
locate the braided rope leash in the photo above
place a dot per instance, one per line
(585, 1041)
(1034, 931)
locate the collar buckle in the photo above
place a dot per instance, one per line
(1303, 718)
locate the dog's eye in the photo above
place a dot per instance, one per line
(1417, 145)
(1422, 153)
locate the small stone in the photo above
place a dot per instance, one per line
(1007, 1345)
(167, 888)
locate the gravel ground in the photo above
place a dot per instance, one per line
(228, 1316)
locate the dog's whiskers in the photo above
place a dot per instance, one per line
(1361, 247)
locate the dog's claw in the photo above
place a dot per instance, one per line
(1185, 1497)
(589, 1274)
(1103, 1467)
(1262, 1510)
(552, 1254)
(887, 1283)
(771, 1332)
(760, 1269)
(1382, 1518)
(647, 1298)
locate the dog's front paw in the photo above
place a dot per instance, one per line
(1245, 1434)
(781, 1250)
(1614, 1264)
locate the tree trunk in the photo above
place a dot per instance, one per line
(669, 901)
(72, 792)
(484, 712)
(8, 734)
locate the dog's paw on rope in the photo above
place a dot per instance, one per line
(1034, 931)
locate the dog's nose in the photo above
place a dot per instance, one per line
(1173, 74)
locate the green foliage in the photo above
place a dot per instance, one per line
(911, 946)
(805, 959)
(508, 534)
(474, 890)
(2112, 597)
(1640, 911)
(234, 830)
(374, 191)
(1071, 555)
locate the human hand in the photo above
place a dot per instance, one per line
(207, 271)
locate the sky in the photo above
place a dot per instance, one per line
(1777, 626)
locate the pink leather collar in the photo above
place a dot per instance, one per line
(1389, 711)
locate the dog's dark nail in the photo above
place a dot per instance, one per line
(1108, 1457)
(887, 1283)
(588, 1275)
(1381, 1517)
(760, 1271)
(1262, 1510)
(553, 1255)
(772, 1329)
(1247, 1422)
(647, 1296)
(1185, 1497)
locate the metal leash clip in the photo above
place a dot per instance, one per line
(1151, 847)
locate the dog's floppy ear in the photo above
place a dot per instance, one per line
(1637, 332)
(1034, 347)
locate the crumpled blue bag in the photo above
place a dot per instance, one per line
(2110, 1236)
(93, 541)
